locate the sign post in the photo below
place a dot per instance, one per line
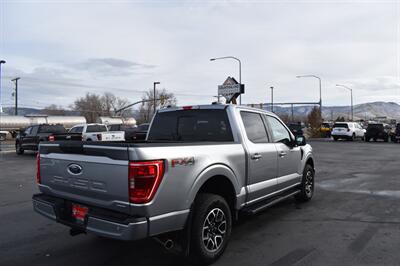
(231, 90)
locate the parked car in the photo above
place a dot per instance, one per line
(130, 131)
(377, 131)
(141, 132)
(347, 130)
(326, 129)
(296, 129)
(29, 138)
(395, 136)
(97, 132)
(3, 135)
(199, 168)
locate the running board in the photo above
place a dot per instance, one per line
(265, 204)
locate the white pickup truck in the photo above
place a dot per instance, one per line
(97, 132)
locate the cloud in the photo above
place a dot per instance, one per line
(112, 66)
(124, 47)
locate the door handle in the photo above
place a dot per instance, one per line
(282, 154)
(256, 156)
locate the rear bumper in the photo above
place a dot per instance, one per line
(115, 226)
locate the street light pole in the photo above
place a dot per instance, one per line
(351, 97)
(240, 69)
(272, 99)
(16, 94)
(1, 62)
(154, 96)
(320, 89)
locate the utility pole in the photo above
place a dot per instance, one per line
(16, 94)
(351, 98)
(154, 96)
(272, 99)
(1, 62)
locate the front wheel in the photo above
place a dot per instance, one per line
(211, 227)
(18, 148)
(307, 184)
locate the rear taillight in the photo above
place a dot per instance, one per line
(51, 138)
(99, 136)
(38, 168)
(144, 179)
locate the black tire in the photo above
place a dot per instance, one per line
(366, 139)
(18, 148)
(375, 139)
(353, 137)
(307, 184)
(207, 211)
(3, 137)
(335, 139)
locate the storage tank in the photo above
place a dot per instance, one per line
(116, 120)
(66, 121)
(12, 122)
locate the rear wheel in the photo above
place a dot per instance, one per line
(3, 137)
(335, 139)
(353, 137)
(211, 227)
(18, 148)
(307, 184)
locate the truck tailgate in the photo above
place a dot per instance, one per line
(91, 174)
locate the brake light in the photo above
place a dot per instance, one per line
(38, 178)
(51, 138)
(187, 107)
(99, 136)
(144, 178)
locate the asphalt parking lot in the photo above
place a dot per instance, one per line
(354, 219)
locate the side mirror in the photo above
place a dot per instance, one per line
(300, 141)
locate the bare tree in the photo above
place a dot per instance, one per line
(53, 110)
(315, 120)
(92, 105)
(146, 110)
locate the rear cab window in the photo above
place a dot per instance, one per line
(191, 126)
(52, 129)
(96, 128)
(340, 125)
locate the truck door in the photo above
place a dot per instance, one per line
(289, 155)
(262, 157)
(24, 140)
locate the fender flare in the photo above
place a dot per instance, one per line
(207, 174)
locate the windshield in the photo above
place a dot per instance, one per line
(341, 125)
(96, 128)
(52, 129)
(191, 125)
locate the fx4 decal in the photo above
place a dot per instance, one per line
(182, 161)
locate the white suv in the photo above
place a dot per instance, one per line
(347, 130)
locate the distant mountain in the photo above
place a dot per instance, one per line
(31, 111)
(365, 111)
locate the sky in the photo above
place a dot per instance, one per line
(64, 49)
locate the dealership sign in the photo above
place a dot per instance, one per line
(230, 89)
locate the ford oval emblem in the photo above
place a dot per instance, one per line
(74, 169)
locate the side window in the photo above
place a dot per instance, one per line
(28, 131)
(254, 126)
(78, 130)
(72, 130)
(34, 130)
(279, 132)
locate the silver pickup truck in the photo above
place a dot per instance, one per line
(185, 185)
